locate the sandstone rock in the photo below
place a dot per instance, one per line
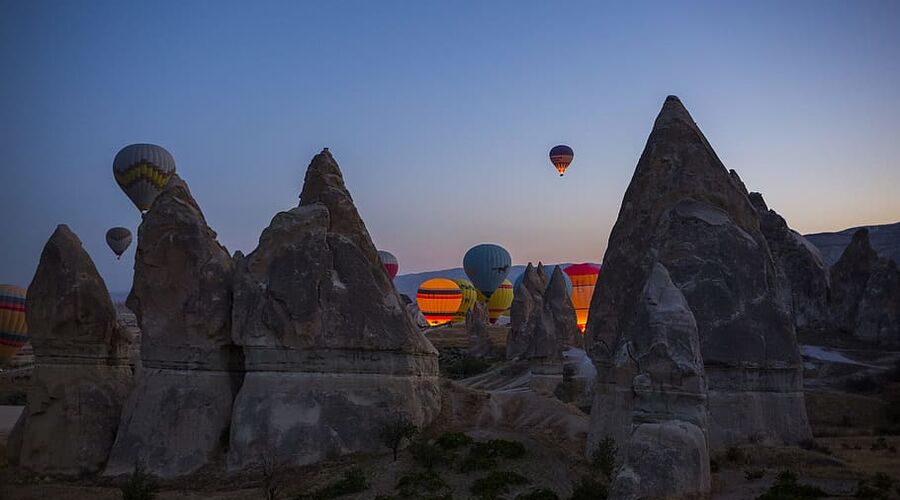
(849, 276)
(330, 351)
(558, 305)
(480, 345)
(180, 409)
(528, 299)
(414, 312)
(802, 273)
(684, 211)
(81, 376)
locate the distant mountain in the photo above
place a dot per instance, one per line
(408, 284)
(885, 240)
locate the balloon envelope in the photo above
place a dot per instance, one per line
(487, 265)
(13, 329)
(118, 239)
(561, 156)
(584, 279)
(470, 295)
(142, 171)
(500, 300)
(390, 263)
(439, 299)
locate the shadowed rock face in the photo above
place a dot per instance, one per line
(802, 275)
(181, 406)
(81, 376)
(865, 298)
(684, 211)
(480, 346)
(542, 318)
(331, 352)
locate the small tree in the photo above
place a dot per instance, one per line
(140, 485)
(394, 432)
(272, 473)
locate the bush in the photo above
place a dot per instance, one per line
(589, 489)
(395, 432)
(753, 475)
(603, 459)
(786, 487)
(467, 367)
(484, 455)
(420, 483)
(496, 484)
(453, 440)
(354, 481)
(713, 465)
(813, 445)
(428, 454)
(538, 494)
(734, 454)
(140, 486)
(879, 444)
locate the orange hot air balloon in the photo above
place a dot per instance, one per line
(561, 156)
(584, 279)
(500, 300)
(13, 329)
(439, 299)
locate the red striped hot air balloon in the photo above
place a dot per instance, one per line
(439, 299)
(13, 329)
(584, 279)
(390, 263)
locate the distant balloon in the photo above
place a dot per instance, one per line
(13, 329)
(487, 266)
(584, 279)
(561, 156)
(142, 171)
(470, 295)
(500, 300)
(118, 239)
(439, 299)
(548, 271)
(390, 263)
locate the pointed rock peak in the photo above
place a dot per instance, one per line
(533, 277)
(757, 200)
(673, 112)
(176, 191)
(861, 237)
(556, 281)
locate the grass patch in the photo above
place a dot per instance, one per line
(354, 481)
(496, 484)
(421, 484)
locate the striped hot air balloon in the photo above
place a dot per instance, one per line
(13, 329)
(118, 239)
(470, 295)
(500, 300)
(439, 299)
(390, 263)
(487, 265)
(142, 171)
(584, 279)
(561, 156)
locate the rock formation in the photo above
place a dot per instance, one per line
(81, 376)
(177, 417)
(414, 312)
(802, 275)
(528, 300)
(687, 218)
(330, 352)
(865, 294)
(480, 346)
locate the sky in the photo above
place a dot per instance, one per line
(440, 114)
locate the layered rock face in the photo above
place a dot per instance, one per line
(178, 415)
(802, 275)
(865, 294)
(81, 376)
(685, 212)
(542, 318)
(331, 353)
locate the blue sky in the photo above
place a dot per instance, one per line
(439, 113)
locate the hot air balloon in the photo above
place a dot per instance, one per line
(500, 300)
(584, 279)
(390, 263)
(439, 299)
(487, 265)
(142, 171)
(470, 295)
(118, 239)
(548, 271)
(13, 329)
(561, 156)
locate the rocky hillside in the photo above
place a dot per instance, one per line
(885, 239)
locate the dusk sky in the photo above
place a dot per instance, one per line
(440, 114)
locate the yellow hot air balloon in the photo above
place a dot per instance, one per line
(439, 299)
(13, 330)
(470, 295)
(500, 301)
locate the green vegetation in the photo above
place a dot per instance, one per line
(496, 484)
(421, 484)
(453, 440)
(354, 481)
(753, 475)
(140, 486)
(484, 455)
(590, 489)
(396, 431)
(429, 455)
(786, 487)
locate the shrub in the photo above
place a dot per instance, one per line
(453, 440)
(713, 465)
(786, 487)
(495, 484)
(140, 486)
(484, 455)
(428, 454)
(879, 444)
(273, 475)
(419, 483)
(753, 475)
(467, 367)
(354, 481)
(538, 494)
(734, 454)
(393, 433)
(603, 458)
(883, 482)
(589, 489)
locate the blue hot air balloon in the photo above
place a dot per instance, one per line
(548, 270)
(487, 265)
